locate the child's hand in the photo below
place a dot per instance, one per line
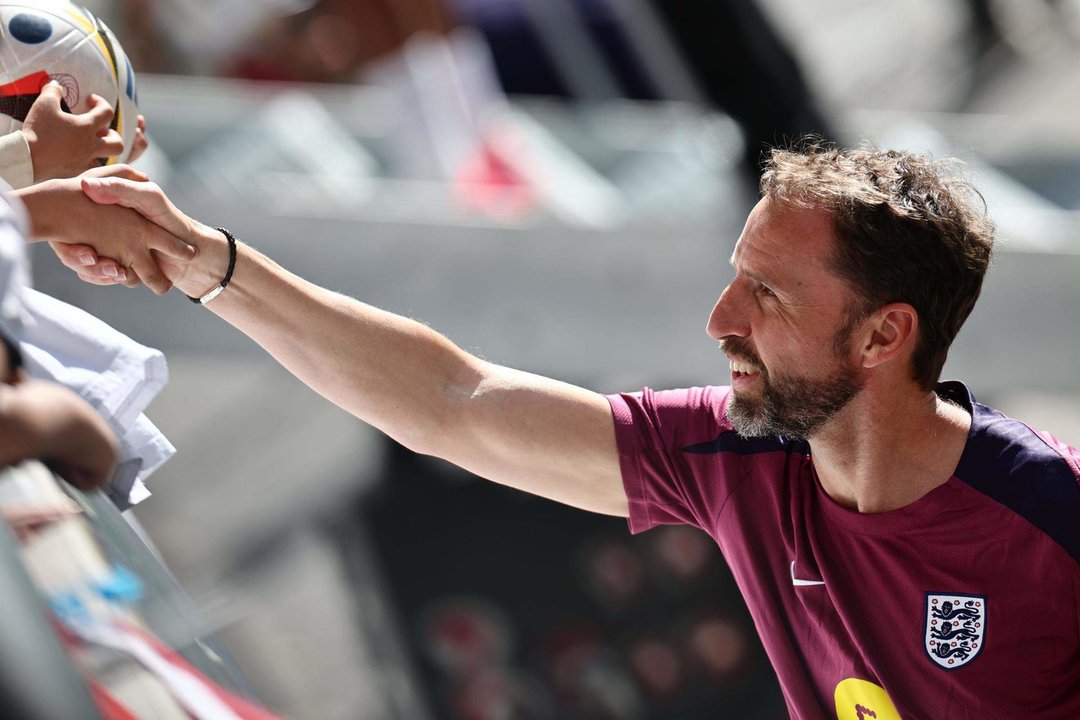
(63, 144)
(140, 143)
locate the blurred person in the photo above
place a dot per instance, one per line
(333, 40)
(738, 59)
(904, 550)
(62, 344)
(41, 419)
(146, 36)
(746, 69)
(117, 376)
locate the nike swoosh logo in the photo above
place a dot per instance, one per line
(797, 582)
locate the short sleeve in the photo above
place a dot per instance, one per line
(673, 457)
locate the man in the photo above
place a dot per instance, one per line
(904, 551)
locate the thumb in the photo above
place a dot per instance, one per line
(51, 93)
(173, 247)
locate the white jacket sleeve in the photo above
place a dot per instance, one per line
(16, 165)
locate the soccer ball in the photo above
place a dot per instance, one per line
(42, 40)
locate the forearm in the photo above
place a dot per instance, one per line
(389, 371)
(42, 206)
(533, 433)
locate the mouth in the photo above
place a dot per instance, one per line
(743, 373)
(741, 368)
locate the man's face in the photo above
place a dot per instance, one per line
(784, 323)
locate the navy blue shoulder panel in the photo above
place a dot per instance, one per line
(731, 441)
(1008, 462)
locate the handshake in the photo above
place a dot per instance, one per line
(112, 226)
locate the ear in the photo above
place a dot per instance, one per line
(890, 332)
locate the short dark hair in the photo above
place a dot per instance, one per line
(909, 230)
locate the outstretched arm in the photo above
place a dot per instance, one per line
(533, 433)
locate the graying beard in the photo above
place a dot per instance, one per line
(793, 412)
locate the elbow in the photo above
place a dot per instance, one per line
(440, 428)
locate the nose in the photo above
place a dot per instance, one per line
(728, 317)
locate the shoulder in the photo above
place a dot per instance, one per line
(693, 420)
(672, 414)
(1029, 471)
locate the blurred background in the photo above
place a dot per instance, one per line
(557, 185)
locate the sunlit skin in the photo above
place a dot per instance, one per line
(801, 312)
(893, 442)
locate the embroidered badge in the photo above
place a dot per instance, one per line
(955, 628)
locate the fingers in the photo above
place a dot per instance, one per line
(148, 271)
(75, 256)
(100, 113)
(95, 280)
(106, 269)
(141, 141)
(110, 144)
(86, 263)
(172, 246)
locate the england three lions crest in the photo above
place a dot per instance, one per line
(955, 628)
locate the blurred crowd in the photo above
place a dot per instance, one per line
(725, 53)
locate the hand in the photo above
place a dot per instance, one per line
(141, 141)
(192, 277)
(83, 259)
(63, 215)
(64, 144)
(47, 421)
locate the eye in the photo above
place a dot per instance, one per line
(766, 291)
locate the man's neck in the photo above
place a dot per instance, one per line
(888, 449)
